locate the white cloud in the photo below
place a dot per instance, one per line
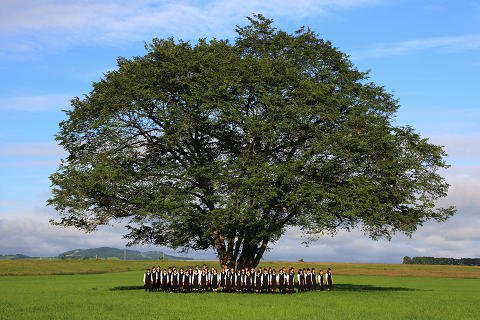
(28, 231)
(31, 25)
(463, 233)
(34, 236)
(460, 147)
(446, 44)
(37, 103)
(464, 187)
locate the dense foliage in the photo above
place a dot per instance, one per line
(226, 145)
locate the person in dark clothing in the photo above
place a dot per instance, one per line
(181, 277)
(329, 279)
(158, 279)
(273, 281)
(195, 280)
(314, 280)
(321, 280)
(154, 279)
(308, 280)
(233, 278)
(203, 280)
(210, 278)
(174, 281)
(169, 279)
(228, 281)
(147, 280)
(214, 280)
(223, 278)
(301, 280)
(164, 281)
(258, 281)
(238, 281)
(249, 279)
(186, 281)
(265, 278)
(291, 281)
(281, 281)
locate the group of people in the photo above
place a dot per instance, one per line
(266, 280)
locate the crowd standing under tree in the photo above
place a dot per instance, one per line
(265, 280)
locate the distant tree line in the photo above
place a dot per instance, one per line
(442, 261)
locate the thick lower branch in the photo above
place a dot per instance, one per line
(219, 242)
(260, 252)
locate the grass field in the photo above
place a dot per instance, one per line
(68, 267)
(442, 292)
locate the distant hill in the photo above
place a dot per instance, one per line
(16, 257)
(114, 253)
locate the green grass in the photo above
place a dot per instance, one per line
(116, 296)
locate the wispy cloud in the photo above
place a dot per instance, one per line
(445, 44)
(33, 25)
(30, 155)
(32, 149)
(37, 103)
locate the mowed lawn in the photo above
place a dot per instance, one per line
(118, 296)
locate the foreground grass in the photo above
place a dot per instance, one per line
(117, 296)
(66, 267)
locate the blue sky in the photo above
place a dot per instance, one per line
(426, 52)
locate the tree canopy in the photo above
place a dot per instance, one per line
(226, 145)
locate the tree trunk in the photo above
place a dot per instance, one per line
(229, 254)
(222, 254)
(249, 257)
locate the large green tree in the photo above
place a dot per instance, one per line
(226, 145)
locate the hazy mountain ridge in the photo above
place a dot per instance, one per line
(114, 253)
(102, 253)
(17, 256)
